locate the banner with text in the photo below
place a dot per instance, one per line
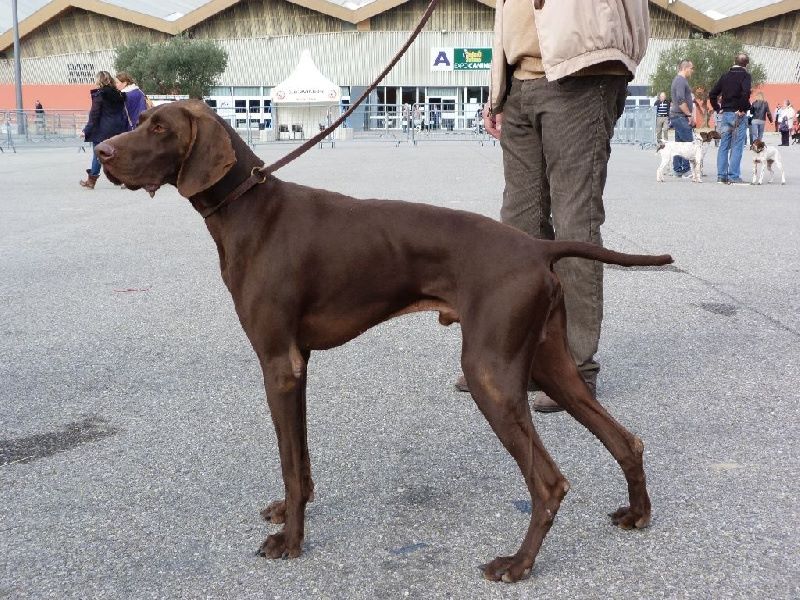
(461, 59)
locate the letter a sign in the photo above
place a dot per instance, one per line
(441, 59)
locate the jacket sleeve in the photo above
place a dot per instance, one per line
(747, 88)
(94, 115)
(769, 113)
(713, 95)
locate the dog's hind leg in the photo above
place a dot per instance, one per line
(285, 381)
(555, 372)
(496, 363)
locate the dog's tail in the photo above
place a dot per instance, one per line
(561, 249)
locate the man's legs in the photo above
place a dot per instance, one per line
(552, 165)
(737, 149)
(683, 133)
(662, 129)
(726, 130)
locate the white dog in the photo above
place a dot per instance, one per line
(691, 151)
(769, 155)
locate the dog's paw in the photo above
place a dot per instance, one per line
(508, 569)
(276, 546)
(628, 518)
(275, 512)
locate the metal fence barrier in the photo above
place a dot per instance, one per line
(55, 128)
(637, 125)
(423, 122)
(374, 122)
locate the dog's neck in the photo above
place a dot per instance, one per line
(246, 161)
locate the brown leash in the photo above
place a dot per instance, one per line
(260, 174)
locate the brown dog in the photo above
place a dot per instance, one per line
(311, 269)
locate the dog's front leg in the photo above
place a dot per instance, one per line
(755, 172)
(285, 381)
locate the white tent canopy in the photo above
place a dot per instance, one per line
(304, 101)
(306, 84)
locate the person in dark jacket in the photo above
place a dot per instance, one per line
(135, 100)
(106, 119)
(734, 87)
(761, 113)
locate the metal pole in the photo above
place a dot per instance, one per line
(17, 71)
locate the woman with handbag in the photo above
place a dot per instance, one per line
(786, 117)
(107, 118)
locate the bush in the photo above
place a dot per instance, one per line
(178, 66)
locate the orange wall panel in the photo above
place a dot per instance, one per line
(52, 97)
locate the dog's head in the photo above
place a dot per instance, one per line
(707, 136)
(181, 143)
(758, 146)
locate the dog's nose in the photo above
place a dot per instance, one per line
(104, 151)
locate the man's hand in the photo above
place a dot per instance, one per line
(492, 123)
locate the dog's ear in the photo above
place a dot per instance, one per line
(704, 136)
(210, 154)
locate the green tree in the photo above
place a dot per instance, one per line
(712, 57)
(178, 66)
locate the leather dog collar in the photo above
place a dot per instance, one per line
(257, 176)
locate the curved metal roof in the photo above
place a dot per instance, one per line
(174, 16)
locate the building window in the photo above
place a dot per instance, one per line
(80, 73)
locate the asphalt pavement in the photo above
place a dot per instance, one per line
(136, 449)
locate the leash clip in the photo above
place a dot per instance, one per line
(253, 174)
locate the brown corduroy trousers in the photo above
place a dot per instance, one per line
(556, 145)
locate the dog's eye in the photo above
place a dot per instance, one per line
(157, 128)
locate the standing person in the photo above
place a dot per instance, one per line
(785, 122)
(106, 119)
(406, 116)
(416, 117)
(734, 87)
(701, 114)
(662, 117)
(135, 100)
(778, 110)
(761, 113)
(680, 114)
(38, 109)
(553, 74)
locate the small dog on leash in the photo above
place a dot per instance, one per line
(692, 151)
(768, 155)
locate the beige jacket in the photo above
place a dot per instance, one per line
(575, 34)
